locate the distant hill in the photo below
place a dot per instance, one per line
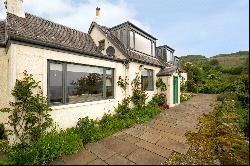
(226, 60)
(195, 59)
(233, 59)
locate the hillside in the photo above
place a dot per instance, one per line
(233, 59)
(225, 60)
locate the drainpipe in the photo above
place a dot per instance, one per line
(126, 66)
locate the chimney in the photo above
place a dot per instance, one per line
(97, 12)
(97, 18)
(15, 7)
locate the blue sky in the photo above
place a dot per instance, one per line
(206, 27)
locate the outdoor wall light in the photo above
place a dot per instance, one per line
(141, 67)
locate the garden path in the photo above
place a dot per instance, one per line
(148, 143)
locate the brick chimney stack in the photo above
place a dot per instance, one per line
(15, 7)
(97, 18)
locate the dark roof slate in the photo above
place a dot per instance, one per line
(134, 55)
(2, 33)
(167, 71)
(47, 33)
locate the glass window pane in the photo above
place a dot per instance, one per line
(84, 83)
(153, 49)
(109, 83)
(164, 54)
(168, 56)
(55, 84)
(147, 80)
(142, 44)
(132, 39)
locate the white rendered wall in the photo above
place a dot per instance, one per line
(170, 90)
(4, 98)
(98, 36)
(135, 68)
(34, 61)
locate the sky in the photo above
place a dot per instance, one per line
(191, 27)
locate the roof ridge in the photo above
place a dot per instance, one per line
(53, 22)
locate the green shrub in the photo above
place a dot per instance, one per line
(160, 84)
(4, 145)
(191, 86)
(2, 132)
(216, 88)
(88, 130)
(143, 114)
(46, 148)
(123, 107)
(226, 96)
(29, 107)
(110, 124)
(158, 100)
(139, 96)
(185, 96)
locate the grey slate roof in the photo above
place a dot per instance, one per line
(140, 57)
(36, 30)
(167, 71)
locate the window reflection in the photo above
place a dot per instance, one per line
(74, 83)
(55, 84)
(84, 83)
(109, 83)
(147, 80)
(142, 44)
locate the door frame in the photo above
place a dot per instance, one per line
(175, 89)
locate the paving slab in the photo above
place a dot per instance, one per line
(164, 152)
(121, 147)
(80, 158)
(100, 150)
(150, 137)
(173, 145)
(97, 162)
(134, 132)
(144, 157)
(129, 138)
(119, 160)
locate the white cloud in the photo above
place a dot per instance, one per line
(79, 14)
(2, 11)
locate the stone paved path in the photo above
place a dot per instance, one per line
(148, 143)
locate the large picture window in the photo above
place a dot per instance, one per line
(147, 80)
(74, 83)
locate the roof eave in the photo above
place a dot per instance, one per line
(51, 45)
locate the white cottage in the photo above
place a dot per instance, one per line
(79, 71)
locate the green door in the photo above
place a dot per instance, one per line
(175, 89)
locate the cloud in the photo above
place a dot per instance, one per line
(79, 14)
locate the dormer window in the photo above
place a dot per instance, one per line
(135, 38)
(141, 43)
(102, 44)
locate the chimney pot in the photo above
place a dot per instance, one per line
(97, 11)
